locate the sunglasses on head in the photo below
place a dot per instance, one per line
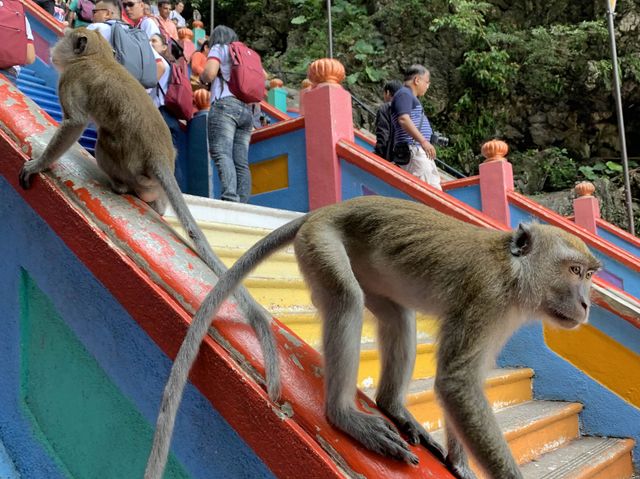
(128, 4)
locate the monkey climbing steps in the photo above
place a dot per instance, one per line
(544, 436)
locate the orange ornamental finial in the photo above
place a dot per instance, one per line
(275, 83)
(585, 188)
(326, 70)
(495, 150)
(185, 32)
(197, 24)
(306, 83)
(202, 99)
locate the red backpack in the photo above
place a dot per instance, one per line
(247, 75)
(85, 10)
(178, 98)
(13, 34)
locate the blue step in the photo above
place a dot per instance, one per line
(30, 90)
(31, 76)
(33, 86)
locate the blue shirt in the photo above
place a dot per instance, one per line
(405, 103)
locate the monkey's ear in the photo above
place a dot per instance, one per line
(80, 44)
(521, 241)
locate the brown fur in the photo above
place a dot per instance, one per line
(395, 257)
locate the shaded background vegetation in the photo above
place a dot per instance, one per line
(535, 73)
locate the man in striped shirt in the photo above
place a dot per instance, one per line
(412, 125)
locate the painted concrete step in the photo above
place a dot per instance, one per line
(503, 387)
(307, 324)
(584, 458)
(369, 372)
(225, 235)
(285, 291)
(35, 83)
(279, 265)
(534, 428)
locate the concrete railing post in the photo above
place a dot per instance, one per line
(305, 87)
(496, 180)
(277, 96)
(586, 207)
(328, 119)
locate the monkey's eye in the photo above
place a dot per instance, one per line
(589, 274)
(575, 270)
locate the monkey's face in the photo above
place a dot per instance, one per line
(566, 301)
(557, 271)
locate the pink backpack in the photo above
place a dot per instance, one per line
(178, 98)
(247, 75)
(13, 34)
(85, 10)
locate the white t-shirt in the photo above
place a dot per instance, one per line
(181, 21)
(156, 94)
(219, 88)
(149, 26)
(27, 29)
(103, 28)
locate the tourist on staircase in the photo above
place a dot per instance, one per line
(413, 151)
(230, 120)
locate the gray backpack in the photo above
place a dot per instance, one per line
(134, 52)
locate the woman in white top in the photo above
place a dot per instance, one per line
(230, 120)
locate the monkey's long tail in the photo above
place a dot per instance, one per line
(189, 349)
(258, 317)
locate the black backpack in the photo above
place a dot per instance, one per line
(385, 133)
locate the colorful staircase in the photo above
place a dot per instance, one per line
(544, 435)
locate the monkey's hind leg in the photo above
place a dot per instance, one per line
(397, 343)
(337, 295)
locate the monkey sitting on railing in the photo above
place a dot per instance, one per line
(133, 148)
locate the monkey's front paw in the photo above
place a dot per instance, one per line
(460, 471)
(25, 177)
(376, 434)
(413, 429)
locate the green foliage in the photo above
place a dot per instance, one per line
(610, 169)
(551, 169)
(356, 41)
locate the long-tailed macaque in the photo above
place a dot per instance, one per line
(134, 149)
(395, 257)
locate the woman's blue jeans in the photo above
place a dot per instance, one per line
(229, 130)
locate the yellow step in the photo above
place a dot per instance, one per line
(220, 234)
(284, 292)
(308, 326)
(369, 371)
(504, 387)
(534, 428)
(277, 266)
(585, 458)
